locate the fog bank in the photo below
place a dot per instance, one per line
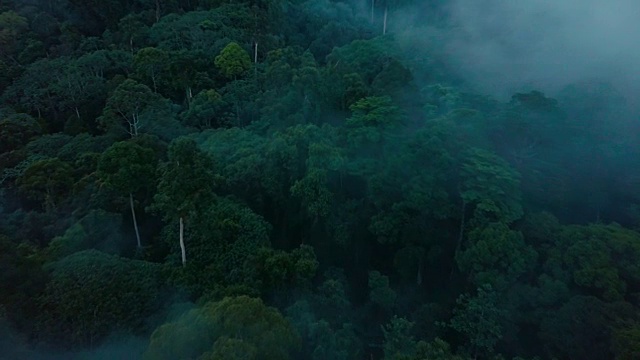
(503, 46)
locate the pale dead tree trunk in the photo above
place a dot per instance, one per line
(384, 23)
(419, 276)
(77, 112)
(255, 62)
(182, 248)
(460, 234)
(189, 96)
(462, 220)
(157, 10)
(372, 7)
(237, 113)
(255, 54)
(135, 221)
(153, 79)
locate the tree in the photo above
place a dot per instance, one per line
(131, 108)
(583, 328)
(149, 64)
(127, 168)
(381, 293)
(47, 181)
(33, 92)
(76, 87)
(97, 230)
(372, 118)
(437, 349)
(186, 184)
(92, 294)
(242, 324)
(16, 130)
(233, 61)
(496, 255)
(206, 111)
(12, 30)
(479, 319)
(226, 241)
(599, 259)
(491, 187)
(398, 342)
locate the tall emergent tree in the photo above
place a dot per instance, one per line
(131, 106)
(186, 184)
(127, 168)
(233, 60)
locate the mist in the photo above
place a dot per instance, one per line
(504, 46)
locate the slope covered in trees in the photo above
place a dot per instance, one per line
(312, 183)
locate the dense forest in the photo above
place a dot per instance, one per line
(302, 179)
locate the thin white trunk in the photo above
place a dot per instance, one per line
(153, 79)
(384, 24)
(157, 10)
(372, 7)
(189, 96)
(460, 234)
(135, 221)
(462, 221)
(255, 54)
(182, 248)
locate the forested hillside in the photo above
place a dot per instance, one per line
(302, 179)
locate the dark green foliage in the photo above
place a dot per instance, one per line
(479, 318)
(587, 321)
(233, 61)
(489, 184)
(330, 159)
(97, 230)
(398, 342)
(381, 294)
(46, 181)
(127, 167)
(186, 180)
(92, 294)
(496, 255)
(221, 241)
(241, 324)
(16, 131)
(21, 281)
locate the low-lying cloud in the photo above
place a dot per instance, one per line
(503, 46)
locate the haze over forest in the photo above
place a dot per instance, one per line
(319, 179)
(508, 46)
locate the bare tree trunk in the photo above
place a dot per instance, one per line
(157, 10)
(462, 220)
(419, 276)
(460, 235)
(384, 24)
(135, 221)
(255, 64)
(153, 79)
(372, 7)
(189, 95)
(255, 54)
(237, 113)
(182, 248)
